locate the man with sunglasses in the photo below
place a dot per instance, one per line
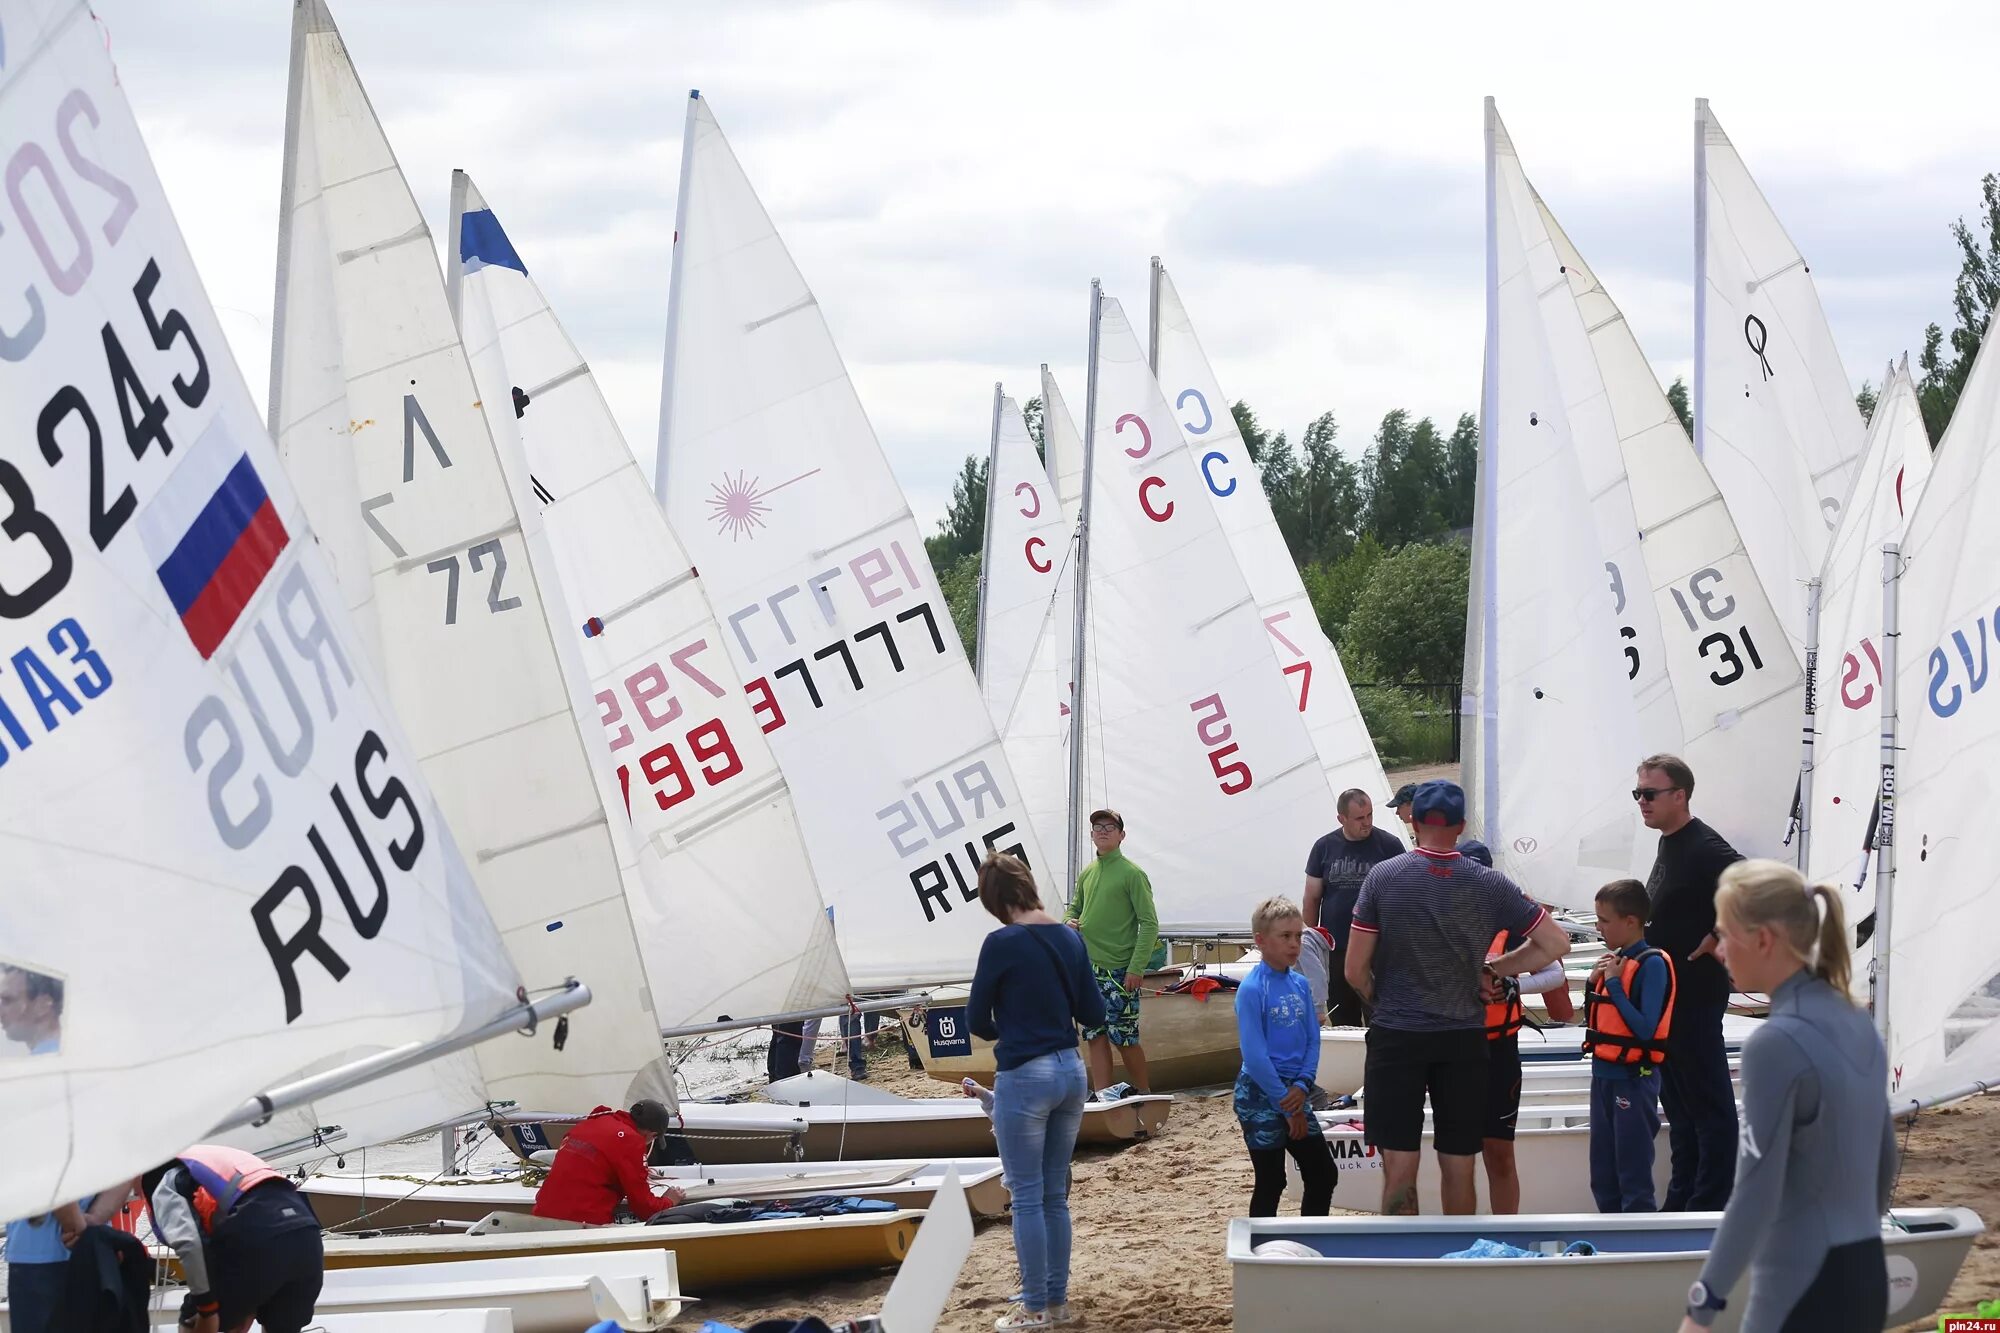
(1694, 1080)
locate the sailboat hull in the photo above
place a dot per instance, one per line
(1190, 1041)
(709, 1256)
(397, 1201)
(1371, 1270)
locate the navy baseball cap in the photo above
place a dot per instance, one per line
(1475, 850)
(1403, 795)
(1438, 802)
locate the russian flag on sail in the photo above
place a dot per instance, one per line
(212, 535)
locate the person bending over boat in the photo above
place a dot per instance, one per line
(1031, 991)
(1278, 1028)
(1113, 911)
(1504, 1019)
(248, 1241)
(1806, 1215)
(1422, 926)
(602, 1163)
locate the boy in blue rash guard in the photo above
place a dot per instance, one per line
(1628, 1014)
(1278, 1026)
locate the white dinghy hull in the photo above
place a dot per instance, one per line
(1387, 1272)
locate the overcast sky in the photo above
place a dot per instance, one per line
(950, 176)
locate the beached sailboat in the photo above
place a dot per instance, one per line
(188, 623)
(1774, 414)
(376, 415)
(772, 478)
(1542, 662)
(1371, 1266)
(1698, 638)
(1229, 479)
(1838, 813)
(709, 809)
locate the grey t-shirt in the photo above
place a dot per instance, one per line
(1434, 916)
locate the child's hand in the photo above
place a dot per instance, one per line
(1293, 1102)
(1295, 1123)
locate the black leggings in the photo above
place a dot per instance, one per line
(1316, 1170)
(1850, 1292)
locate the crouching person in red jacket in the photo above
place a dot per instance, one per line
(601, 1162)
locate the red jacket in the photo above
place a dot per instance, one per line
(601, 1161)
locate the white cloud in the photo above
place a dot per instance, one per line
(950, 177)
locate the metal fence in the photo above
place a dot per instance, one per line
(1411, 723)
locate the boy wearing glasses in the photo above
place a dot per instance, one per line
(1694, 1081)
(1113, 911)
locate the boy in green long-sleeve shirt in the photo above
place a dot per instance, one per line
(1113, 911)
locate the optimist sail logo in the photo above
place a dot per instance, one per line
(212, 534)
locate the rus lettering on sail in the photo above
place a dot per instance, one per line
(940, 817)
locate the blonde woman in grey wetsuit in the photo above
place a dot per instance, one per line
(1806, 1216)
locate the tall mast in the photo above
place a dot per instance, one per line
(1885, 826)
(1810, 730)
(1700, 265)
(986, 540)
(674, 301)
(1077, 732)
(1153, 319)
(1488, 720)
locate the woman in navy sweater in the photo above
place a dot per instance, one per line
(1030, 993)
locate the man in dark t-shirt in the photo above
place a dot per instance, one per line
(1334, 871)
(1695, 1090)
(1423, 926)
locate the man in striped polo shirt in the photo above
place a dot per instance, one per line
(1417, 956)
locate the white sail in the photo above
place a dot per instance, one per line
(377, 417)
(1894, 470)
(1554, 732)
(1026, 536)
(1064, 445)
(1774, 413)
(1736, 687)
(1944, 986)
(215, 835)
(773, 479)
(1187, 730)
(1230, 480)
(708, 807)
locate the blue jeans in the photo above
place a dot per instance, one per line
(33, 1293)
(1624, 1117)
(1037, 1111)
(851, 1027)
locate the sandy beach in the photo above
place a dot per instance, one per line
(1150, 1221)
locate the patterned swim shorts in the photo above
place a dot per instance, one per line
(1263, 1124)
(1121, 1008)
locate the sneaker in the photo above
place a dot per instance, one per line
(1060, 1314)
(1023, 1317)
(972, 1089)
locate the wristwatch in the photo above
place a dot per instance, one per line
(1703, 1304)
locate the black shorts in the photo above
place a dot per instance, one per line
(1404, 1067)
(1503, 1086)
(266, 1259)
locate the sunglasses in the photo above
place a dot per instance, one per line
(1650, 793)
(1103, 828)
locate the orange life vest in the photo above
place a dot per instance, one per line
(1606, 1034)
(222, 1176)
(1503, 1017)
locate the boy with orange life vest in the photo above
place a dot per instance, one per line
(1628, 1015)
(1503, 1054)
(248, 1241)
